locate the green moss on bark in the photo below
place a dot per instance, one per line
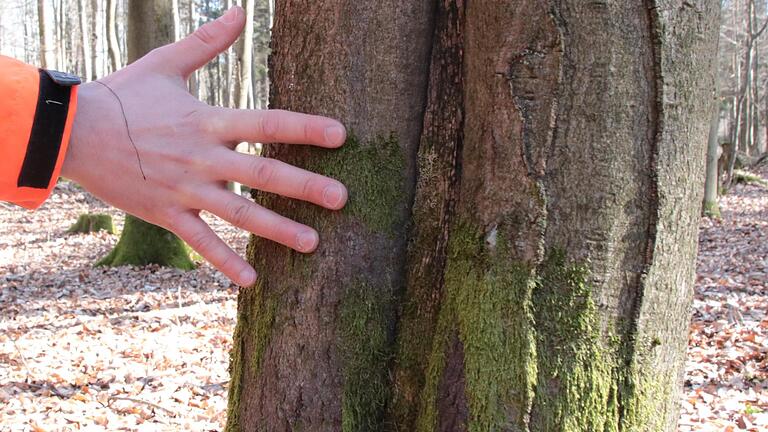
(488, 298)
(142, 243)
(373, 172)
(256, 310)
(90, 223)
(364, 345)
(577, 386)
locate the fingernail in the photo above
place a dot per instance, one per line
(248, 277)
(333, 195)
(307, 241)
(334, 135)
(231, 15)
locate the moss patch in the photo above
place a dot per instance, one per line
(373, 172)
(577, 386)
(256, 310)
(746, 177)
(142, 243)
(488, 298)
(712, 210)
(365, 344)
(90, 223)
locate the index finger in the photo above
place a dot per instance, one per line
(274, 126)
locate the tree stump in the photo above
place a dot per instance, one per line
(90, 223)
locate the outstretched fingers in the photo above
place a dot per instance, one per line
(202, 239)
(273, 126)
(247, 215)
(278, 177)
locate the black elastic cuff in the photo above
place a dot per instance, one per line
(46, 135)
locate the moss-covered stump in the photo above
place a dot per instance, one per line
(90, 223)
(142, 243)
(712, 210)
(746, 177)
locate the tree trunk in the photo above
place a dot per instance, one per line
(96, 40)
(44, 20)
(176, 20)
(245, 56)
(517, 252)
(85, 39)
(711, 206)
(245, 69)
(228, 93)
(194, 84)
(113, 44)
(150, 25)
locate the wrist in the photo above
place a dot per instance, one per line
(78, 140)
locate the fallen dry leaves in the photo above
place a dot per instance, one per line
(726, 380)
(85, 348)
(146, 349)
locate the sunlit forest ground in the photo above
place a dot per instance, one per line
(147, 349)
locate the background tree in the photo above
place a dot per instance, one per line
(44, 21)
(150, 25)
(112, 42)
(517, 252)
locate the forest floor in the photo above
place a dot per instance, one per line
(726, 374)
(147, 349)
(142, 349)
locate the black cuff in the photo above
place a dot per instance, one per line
(47, 130)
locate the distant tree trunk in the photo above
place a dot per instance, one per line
(518, 250)
(96, 40)
(150, 25)
(228, 93)
(711, 206)
(44, 23)
(764, 147)
(176, 20)
(743, 121)
(245, 56)
(245, 69)
(85, 39)
(113, 44)
(754, 139)
(194, 84)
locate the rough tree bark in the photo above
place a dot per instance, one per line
(517, 253)
(150, 25)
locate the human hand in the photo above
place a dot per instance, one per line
(186, 148)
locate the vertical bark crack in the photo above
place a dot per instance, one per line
(627, 390)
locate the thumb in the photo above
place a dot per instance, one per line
(208, 41)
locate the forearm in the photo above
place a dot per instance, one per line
(37, 110)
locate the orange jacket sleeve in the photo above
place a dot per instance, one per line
(37, 108)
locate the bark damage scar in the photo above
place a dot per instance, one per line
(531, 61)
(439, 160)
(629, 400)
(452, 407)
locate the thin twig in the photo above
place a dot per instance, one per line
(23, 359)
(140, 401)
